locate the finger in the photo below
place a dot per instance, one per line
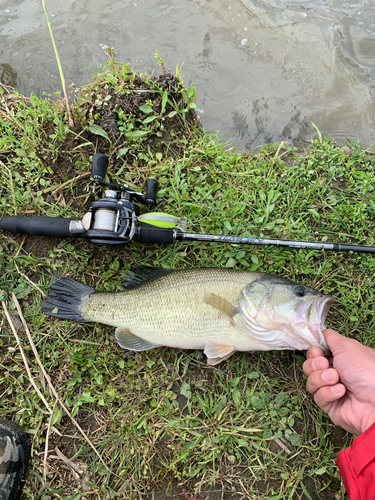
(314, 352)
(339, 343)
(321, 378)
(313, 364)
(334, 340)
(325, 396)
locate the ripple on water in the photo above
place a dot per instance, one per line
(303, 60)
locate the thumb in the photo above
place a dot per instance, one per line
(334, 340)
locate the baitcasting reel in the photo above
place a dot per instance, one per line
(116, 220)
(112, 220)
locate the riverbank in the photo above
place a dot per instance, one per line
(162, 420)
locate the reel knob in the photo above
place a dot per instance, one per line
(99, 167)
(151, 185)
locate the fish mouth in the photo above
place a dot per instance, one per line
(322, 305)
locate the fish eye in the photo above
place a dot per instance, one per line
(300, 291)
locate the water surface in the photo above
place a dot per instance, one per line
(264, 70)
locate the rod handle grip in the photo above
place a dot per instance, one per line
(36, 226)
(148, 233)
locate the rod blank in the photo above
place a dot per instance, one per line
(337, 247)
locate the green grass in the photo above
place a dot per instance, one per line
(163, 420)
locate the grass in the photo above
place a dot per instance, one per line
(165, 424)
(62, 77)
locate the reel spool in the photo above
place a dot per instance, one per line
(110, 221)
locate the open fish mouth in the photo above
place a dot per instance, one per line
(321, 306)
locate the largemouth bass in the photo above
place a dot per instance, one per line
(218, 310)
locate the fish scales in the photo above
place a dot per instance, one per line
(173, 306)
(218, 310)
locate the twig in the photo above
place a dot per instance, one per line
(47, 377)
(29, 280)
(86, 174)
(21, 245)
(6, 87)
(10, 182)
(283, 446)
(136, 487)
(47, 441)
(24, 357)
(77, 471)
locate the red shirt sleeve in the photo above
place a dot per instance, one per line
(357, 466)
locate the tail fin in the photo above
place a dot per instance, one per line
(66, 299)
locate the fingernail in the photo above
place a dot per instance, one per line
(317, 364)
(329, 375)
(337, 389)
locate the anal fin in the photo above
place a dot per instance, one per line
(217, 352)
(128, 340)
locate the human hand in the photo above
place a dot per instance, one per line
(343, 385)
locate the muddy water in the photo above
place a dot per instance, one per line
(264, 70)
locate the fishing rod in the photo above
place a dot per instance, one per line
(116, 220)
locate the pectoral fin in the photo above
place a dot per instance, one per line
(217, 352)
(128, 340)
(222, 304)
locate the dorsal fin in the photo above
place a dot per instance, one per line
(139, 275)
